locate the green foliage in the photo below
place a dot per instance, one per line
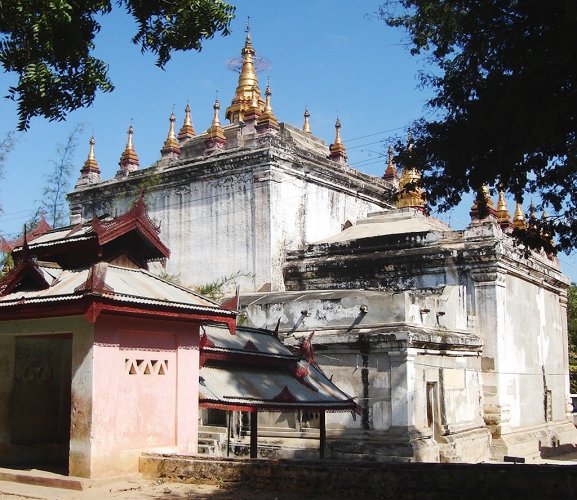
(215, 289)
(49, 45)
(58, 181)
(572, 334)
(6, 145)
(172, 278)
(505, 100)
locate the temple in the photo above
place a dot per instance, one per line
(434, 344)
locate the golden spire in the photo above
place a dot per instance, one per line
(391, 171)
(187, 130)
(247, 88)
(171, 148)
(503, 215)
(307, 125)
(532, 216)
(129, 158)
(338, 152)
(215, 137)
(91, 165)
(410, 193)
(267, 120)
(519, 217)
(483, 192)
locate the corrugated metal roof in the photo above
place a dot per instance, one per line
(264, 342)
(260, 385)
(128, 285)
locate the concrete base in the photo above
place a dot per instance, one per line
(471, 446)
(535, 443)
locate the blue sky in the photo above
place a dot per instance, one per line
(333, 56)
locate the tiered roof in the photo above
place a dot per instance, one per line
(255, 371)
(100, 266)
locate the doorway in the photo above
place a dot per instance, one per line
(41, 400)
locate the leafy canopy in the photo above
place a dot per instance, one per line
(48, 44)
(504, 110)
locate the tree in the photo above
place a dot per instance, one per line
(6, 145)
(49, 45)
(53, 202)
(572, 334)
(504, 110)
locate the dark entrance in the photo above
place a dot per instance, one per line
(40, 401)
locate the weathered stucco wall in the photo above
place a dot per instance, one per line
(141, 401)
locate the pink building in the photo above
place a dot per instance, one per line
(99, 358)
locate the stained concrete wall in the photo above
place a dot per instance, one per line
(372, 480)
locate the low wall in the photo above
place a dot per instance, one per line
(371, 480)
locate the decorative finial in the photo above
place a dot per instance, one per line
(267, 120)
(503, 215)
(129, 158)
(391, 171)
(215, 138)
(307, 125)
(519, 217)
(90, 171)
(187, 130)
(171, 148)
(338, 152)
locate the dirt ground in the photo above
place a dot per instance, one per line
(141, 489)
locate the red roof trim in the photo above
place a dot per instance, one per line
(91, 307)
(135, 219)
(343, 406)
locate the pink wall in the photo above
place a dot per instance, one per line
(145, 391)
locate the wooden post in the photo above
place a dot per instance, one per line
(228, 423)
(323, 435)
(253, 433)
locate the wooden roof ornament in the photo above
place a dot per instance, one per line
(307, 351)
(26, 273)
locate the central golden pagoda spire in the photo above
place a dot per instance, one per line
(247, 88)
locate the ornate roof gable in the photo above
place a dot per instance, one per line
(26, 272)
(136, 219)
